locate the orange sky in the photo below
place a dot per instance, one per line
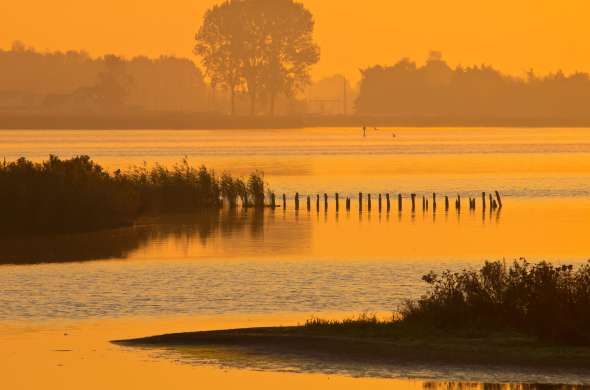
(512, 35)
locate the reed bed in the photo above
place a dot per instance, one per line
(77, 194)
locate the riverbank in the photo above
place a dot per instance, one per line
(397, 345)
(157, 120)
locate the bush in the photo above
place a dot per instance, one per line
(79, 195)
(551, 302)
(63, 195)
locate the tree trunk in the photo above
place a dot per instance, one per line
(233, 100)
(272, 104)
(253, 103)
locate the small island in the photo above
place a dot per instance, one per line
(522, 314)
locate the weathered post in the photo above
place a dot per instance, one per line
(413, 202)
(348, 203)
(360, 202)
(337, 202)
(284, 202)
(434, 201)
(379, 202)
(388, 202)
(399, 202)
(495, 205)
(483, 201)
(446, 203)
(458, 202)
(491, 202)
(423, 203)
(499, 199)
(317, 203)
(369, 202)
(308, 203)
(325, 202)
(297, 201)
(273, 201)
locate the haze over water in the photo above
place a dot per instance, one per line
(280, 267)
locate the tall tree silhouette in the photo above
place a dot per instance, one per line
(265, 45)
(221, 46)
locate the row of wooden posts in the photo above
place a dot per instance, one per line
(493, 203)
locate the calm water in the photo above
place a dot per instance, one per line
(189, 272)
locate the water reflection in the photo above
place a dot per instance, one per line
(437, 376)
(121, 243)
(109, 244)
(539, 229)
(498, 386)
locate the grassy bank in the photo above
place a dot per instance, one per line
(519, 314)
(77, 195)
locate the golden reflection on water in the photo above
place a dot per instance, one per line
(527, 162)
(78, 355)
(546, 228)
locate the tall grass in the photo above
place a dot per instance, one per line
(79, 195)
(544, 300)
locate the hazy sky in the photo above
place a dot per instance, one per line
(513, 35)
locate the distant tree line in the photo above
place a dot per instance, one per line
(436, 89)
(77, 194)
(74, 81)
(261, 48)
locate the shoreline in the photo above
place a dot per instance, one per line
(213, 121)
(397, 346)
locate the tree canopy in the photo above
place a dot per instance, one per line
(264, 47)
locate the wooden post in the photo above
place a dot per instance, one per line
(284, 202)
(499, 199)
(434, 201)
(273, 201)
(379, 202)
(399, 202)
(325, 202)
(317, 203)
(348, 203)
(423, 203)
(483, 201)
(308, 203)
(413, 202)
(388, 202)
(360, 202)
(337, 202)
(369, 202)
(446, 203)
(495, 205)
(297, 201)
(458, 202)
(491, 202)
(426, 204)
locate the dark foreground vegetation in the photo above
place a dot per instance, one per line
(72, 195)
(522, 314)
(542, 300)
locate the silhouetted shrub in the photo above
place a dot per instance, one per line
(79, 195)
(63, 195)
(551, 302)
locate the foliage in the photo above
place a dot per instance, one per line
(81, 83)
(436, 89)
(79, 195)
(63, 195)
(543, 300)
(265, 45)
